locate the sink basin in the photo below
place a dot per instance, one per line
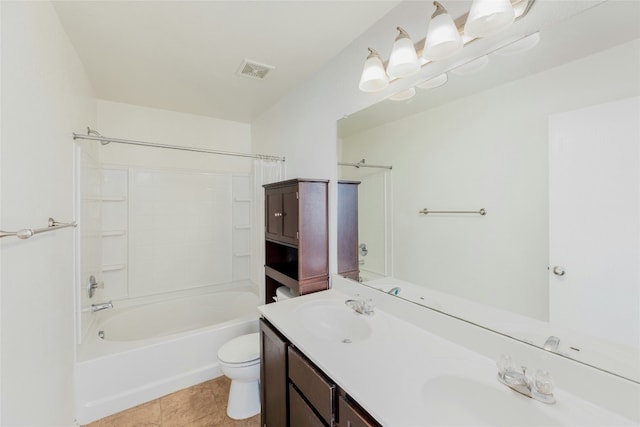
(332, 322)
(452, 400)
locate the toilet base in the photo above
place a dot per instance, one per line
(244, 399)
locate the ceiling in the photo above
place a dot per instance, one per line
(183, 55)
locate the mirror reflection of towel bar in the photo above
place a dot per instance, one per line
(426, 211)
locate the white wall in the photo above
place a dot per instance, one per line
(45, 97)
(173, 128)
(497, 160)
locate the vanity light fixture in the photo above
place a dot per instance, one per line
(488, 17)
(443, 39)
(403, 95)
(374, 77)
(434, 82)
(403, 61)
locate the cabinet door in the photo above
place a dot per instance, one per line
(273, 214)
(348, 229)
(300, 413)
(350, 416)
(290, 215)
(273, 377)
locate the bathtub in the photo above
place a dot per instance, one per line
(153, 349)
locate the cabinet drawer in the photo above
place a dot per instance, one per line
(300, 413)
(317, 388)
(350, 416)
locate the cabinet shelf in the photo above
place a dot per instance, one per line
(296, 236)
(115, 267)
(113, 233)
(106, 198)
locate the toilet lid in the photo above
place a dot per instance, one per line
(242, 349)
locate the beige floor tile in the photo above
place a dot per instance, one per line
(147, 415)
(186, 406)
(203, 405)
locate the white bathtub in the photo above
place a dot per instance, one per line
(155, 349)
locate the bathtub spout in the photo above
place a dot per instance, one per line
(103, 306)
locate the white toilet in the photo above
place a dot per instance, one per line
(240, 362)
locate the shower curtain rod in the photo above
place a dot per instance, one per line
(363, 165)
(93, 135)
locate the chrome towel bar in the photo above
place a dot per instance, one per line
(25, 233)
(426, 211)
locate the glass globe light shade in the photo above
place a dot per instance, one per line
(404, 59)
(434, 82)
(488, 17)
(373, 78)
(403, 95)
(443, 39)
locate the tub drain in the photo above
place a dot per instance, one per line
(347, 341)
(101, 335)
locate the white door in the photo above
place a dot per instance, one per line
(594, 220)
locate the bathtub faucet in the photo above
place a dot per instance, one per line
(103, 306)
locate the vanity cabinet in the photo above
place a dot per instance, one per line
(351, 415)
(273, 376)
(296, 393)
(348, 229)
(296, 236)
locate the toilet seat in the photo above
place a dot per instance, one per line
(242, 350)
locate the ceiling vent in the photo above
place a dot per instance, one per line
(254, 70)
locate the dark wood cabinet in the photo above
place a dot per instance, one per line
(301, 414)
(296, 236)
(348, 229)
(296, 393)
(351, 415)
(273, 377)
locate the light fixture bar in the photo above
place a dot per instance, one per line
(518, 5)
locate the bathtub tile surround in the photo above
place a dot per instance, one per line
(200, 405)
(183, 231)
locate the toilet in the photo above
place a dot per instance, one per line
(240, 362)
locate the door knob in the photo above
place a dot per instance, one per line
(558, 271)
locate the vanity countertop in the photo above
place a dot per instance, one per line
(405, 376)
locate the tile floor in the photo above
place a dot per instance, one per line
(203, 405)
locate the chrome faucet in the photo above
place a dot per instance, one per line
(103, 306)
(551, 344)
(540, 387)
(394, 291)
(361, 306)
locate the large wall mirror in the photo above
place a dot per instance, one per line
(545, 141)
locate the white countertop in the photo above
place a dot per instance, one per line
(405, 376)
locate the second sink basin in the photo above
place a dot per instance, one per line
(332, 322)
(451, 400)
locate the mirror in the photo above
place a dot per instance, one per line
(546, 143)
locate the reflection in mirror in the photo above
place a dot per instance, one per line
(374, 214)
(546, 139)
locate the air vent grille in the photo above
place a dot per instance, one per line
(254, 70)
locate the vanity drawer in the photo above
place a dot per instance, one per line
(349, 415)
(300, 413)
(313, 385)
